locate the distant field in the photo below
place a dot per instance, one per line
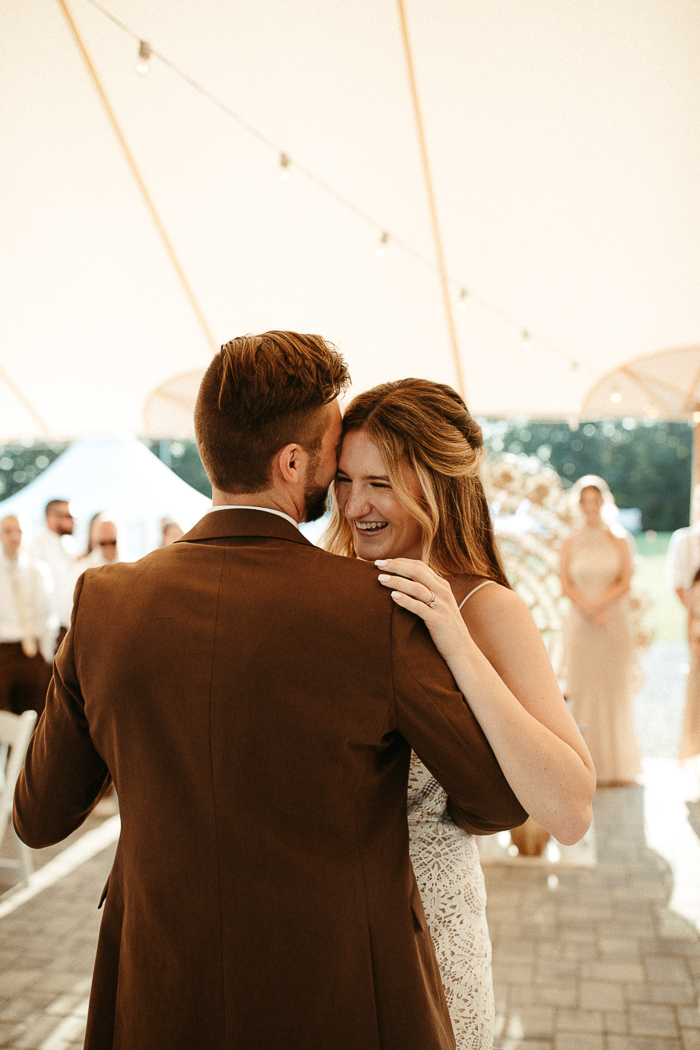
(667, 613)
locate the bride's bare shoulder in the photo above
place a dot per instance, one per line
(494, 604)
(463, 586)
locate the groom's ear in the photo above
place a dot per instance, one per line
(287, 464)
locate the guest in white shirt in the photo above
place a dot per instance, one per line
(683, 560)
(28, 624)
(106, 545)
(56, 547)
(683, 557)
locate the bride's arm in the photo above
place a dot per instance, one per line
(500, 664)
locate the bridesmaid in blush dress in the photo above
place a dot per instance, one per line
(596, 570)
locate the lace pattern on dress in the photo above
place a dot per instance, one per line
(451, 883)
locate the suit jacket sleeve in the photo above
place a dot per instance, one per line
(439, 725)
(63, 775)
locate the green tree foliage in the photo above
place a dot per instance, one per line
(645, 463)
(20, 464)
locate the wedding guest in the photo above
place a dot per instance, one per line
(683, 557)
(683, 575)
(595, 572)
(56, 547)
(27, 624)
(92, 533)
(106, 548)
(170, 531)
(690, 734)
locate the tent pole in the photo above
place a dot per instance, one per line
(141, 184)
(431, 200)
(12, 386)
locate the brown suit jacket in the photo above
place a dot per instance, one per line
(255, 699)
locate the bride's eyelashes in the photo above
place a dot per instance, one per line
(340, 479)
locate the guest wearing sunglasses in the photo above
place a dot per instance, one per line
(106, 547)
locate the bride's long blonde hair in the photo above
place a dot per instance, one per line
(428, 426)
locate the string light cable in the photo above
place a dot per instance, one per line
(461, 292)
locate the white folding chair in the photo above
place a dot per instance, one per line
(15, 734)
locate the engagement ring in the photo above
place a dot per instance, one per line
(432, 603)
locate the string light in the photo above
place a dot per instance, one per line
(696, 417)
(143, 61)
(616, 397)
(525, 338)
(145, 54)
(380, 250)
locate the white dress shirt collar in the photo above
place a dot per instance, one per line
(268, 510)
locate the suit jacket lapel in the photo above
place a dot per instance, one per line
(243, 522)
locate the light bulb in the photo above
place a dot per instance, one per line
(616, 397)
(525, 336)
(142, 62)
(462, 301)
(285, 167)
(380, 250)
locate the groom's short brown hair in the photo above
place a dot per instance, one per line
(260, 393)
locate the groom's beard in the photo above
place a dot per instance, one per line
(315, 495)
(315, 503)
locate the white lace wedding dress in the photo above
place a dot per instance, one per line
(451, 883)
(448, 872)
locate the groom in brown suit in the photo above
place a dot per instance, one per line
(255, 700)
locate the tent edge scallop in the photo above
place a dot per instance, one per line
(633, 372)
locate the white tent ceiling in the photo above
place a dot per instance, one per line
(563, 140)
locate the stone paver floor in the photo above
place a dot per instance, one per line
(592, 958)
(47, 948)
(584, 958)
(597, 958)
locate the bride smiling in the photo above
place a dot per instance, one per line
(407, 496)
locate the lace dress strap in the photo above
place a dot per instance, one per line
(474, 590)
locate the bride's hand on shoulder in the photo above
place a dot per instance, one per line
(418, 588)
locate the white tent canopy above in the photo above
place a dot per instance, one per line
(561, 138)
(116, 474)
